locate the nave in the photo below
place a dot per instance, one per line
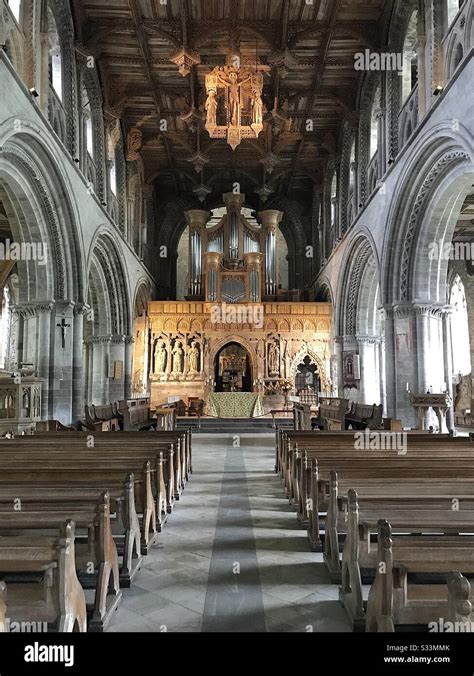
(233, 513)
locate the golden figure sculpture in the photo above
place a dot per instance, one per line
(273, 359)
(211, 108)
(178, 355)
(161, 357)
(193, 358)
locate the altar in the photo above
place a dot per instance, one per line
(234, 405)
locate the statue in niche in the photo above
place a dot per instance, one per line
(211, 108)
(178, 356)
(161, 357)
(193, 358)
(257, 109)
(273, 359)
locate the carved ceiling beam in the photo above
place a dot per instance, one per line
(318, 75)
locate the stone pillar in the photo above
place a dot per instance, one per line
(128, 367)
(339, 385)
(270, 220)
(196, 219)
(44, 356)
(382, 371)
(389, 361)
(369, 372)
(99, 381)
(79, 366)
(448, 362)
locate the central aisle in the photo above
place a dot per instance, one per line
(232, 556)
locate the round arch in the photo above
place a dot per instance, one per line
(427, 210)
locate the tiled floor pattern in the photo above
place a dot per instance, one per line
(232, 556)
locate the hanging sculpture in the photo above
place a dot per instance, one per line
(234, 106)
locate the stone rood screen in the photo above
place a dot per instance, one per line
(234, 260)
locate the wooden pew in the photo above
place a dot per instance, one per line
(407, 515)
(125, 527)
(394, 598)
(362, 416)
(175, 445)
(181, 440)
(106, 472)
(297, 450)
(100, 550)
(414, 470)
(61, 601)
(331, 414)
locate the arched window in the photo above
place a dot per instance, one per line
(15, 6)
(374, 123)
(460, 329)
(453, 7)
(333, 200)
(55, 60)
(88, 127)
(410, 57)
(112, 162)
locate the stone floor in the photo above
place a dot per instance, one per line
(232, 556)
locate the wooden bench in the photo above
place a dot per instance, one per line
(395, 598)
(93, 470)
(96, 559)
(295, 450)
(362, 416)
(400, 469)
(331, 414)
(58, 598)
(125, 526)
(175, 445)
(413, 515)
(302, 416)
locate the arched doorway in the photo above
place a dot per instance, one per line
(233, 369)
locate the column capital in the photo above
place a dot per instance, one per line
(98, 340)
(81, 309)
(368, 340)
(33, 308)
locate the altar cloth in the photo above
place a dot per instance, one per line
(235, 405)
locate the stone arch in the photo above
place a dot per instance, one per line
(444, 171)
(305, 351)
(110, 279)
(240, 340)
(142, 297)
(42, 212)
(359, 255)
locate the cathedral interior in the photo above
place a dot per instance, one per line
(236, 217)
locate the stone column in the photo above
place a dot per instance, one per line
(270, 220)
(196, 219)
(339, 366)
(44, 356)
(389, 362)
(128, 367)
(79, 367)
(448, 362)
(382, 371)
(99, 385)
(369, 372)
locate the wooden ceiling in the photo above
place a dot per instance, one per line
(134, 40)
